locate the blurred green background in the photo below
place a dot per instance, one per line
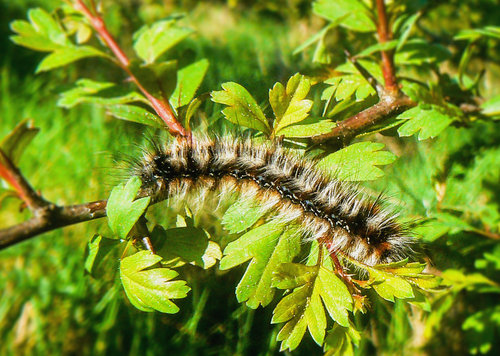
(48, 306)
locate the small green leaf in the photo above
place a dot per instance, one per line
(14, 144)
(267, 246)
(189, 79)
(66, 55)
(289, 105)
(385, 46)
(122, 209)
(357, 162)
(306, 129)
(137, 114)
(389, 286)
(418, 52)
(354, 13)
(148, 288)
(242, 215)
(242, 108)
(97, 248)
(154, 40)
(428, 122)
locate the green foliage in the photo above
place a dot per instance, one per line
(123, 210)
(149, 288)
(358, 162)
(449, 183)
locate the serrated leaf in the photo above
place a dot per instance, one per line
(242, 108)
(102, 93)
(189, 79)
(355, 14)
(340, 340)
(122, 209)
(267, 246)
(428, 122)
(137, 114)
(14, 144)
(66, 55)
(242, 215)
(152, 41)
(149, 288)
(303, 308)
(289, 104)
(97, 248)
(357, 162)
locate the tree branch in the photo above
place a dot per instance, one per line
(391, 100)
(49, 218)
(347, 129)
(161, 106)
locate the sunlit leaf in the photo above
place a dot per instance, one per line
(122, 209)
(242, 108)
(357, 162)
(149, 288)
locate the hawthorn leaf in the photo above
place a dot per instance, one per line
(152, 41)
(123, 209)
(148, 288)
(389, 286)
(14, 144)
(189, 79)
(357, 162)
(242, 108)
(66, 55)
(354, 13)
(428, 121)
(304, 308)
(289, 104)
(97, 248)
(137, 114)
(266, 246)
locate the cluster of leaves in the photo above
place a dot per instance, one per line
(65, 35)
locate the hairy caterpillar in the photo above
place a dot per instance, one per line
(328, 210)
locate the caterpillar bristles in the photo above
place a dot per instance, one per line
(327, 210)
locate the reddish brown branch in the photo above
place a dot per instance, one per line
(392, 100)
(161, 106)
(385, 35)
(51, 217)
(349, 128)
(13, 176)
